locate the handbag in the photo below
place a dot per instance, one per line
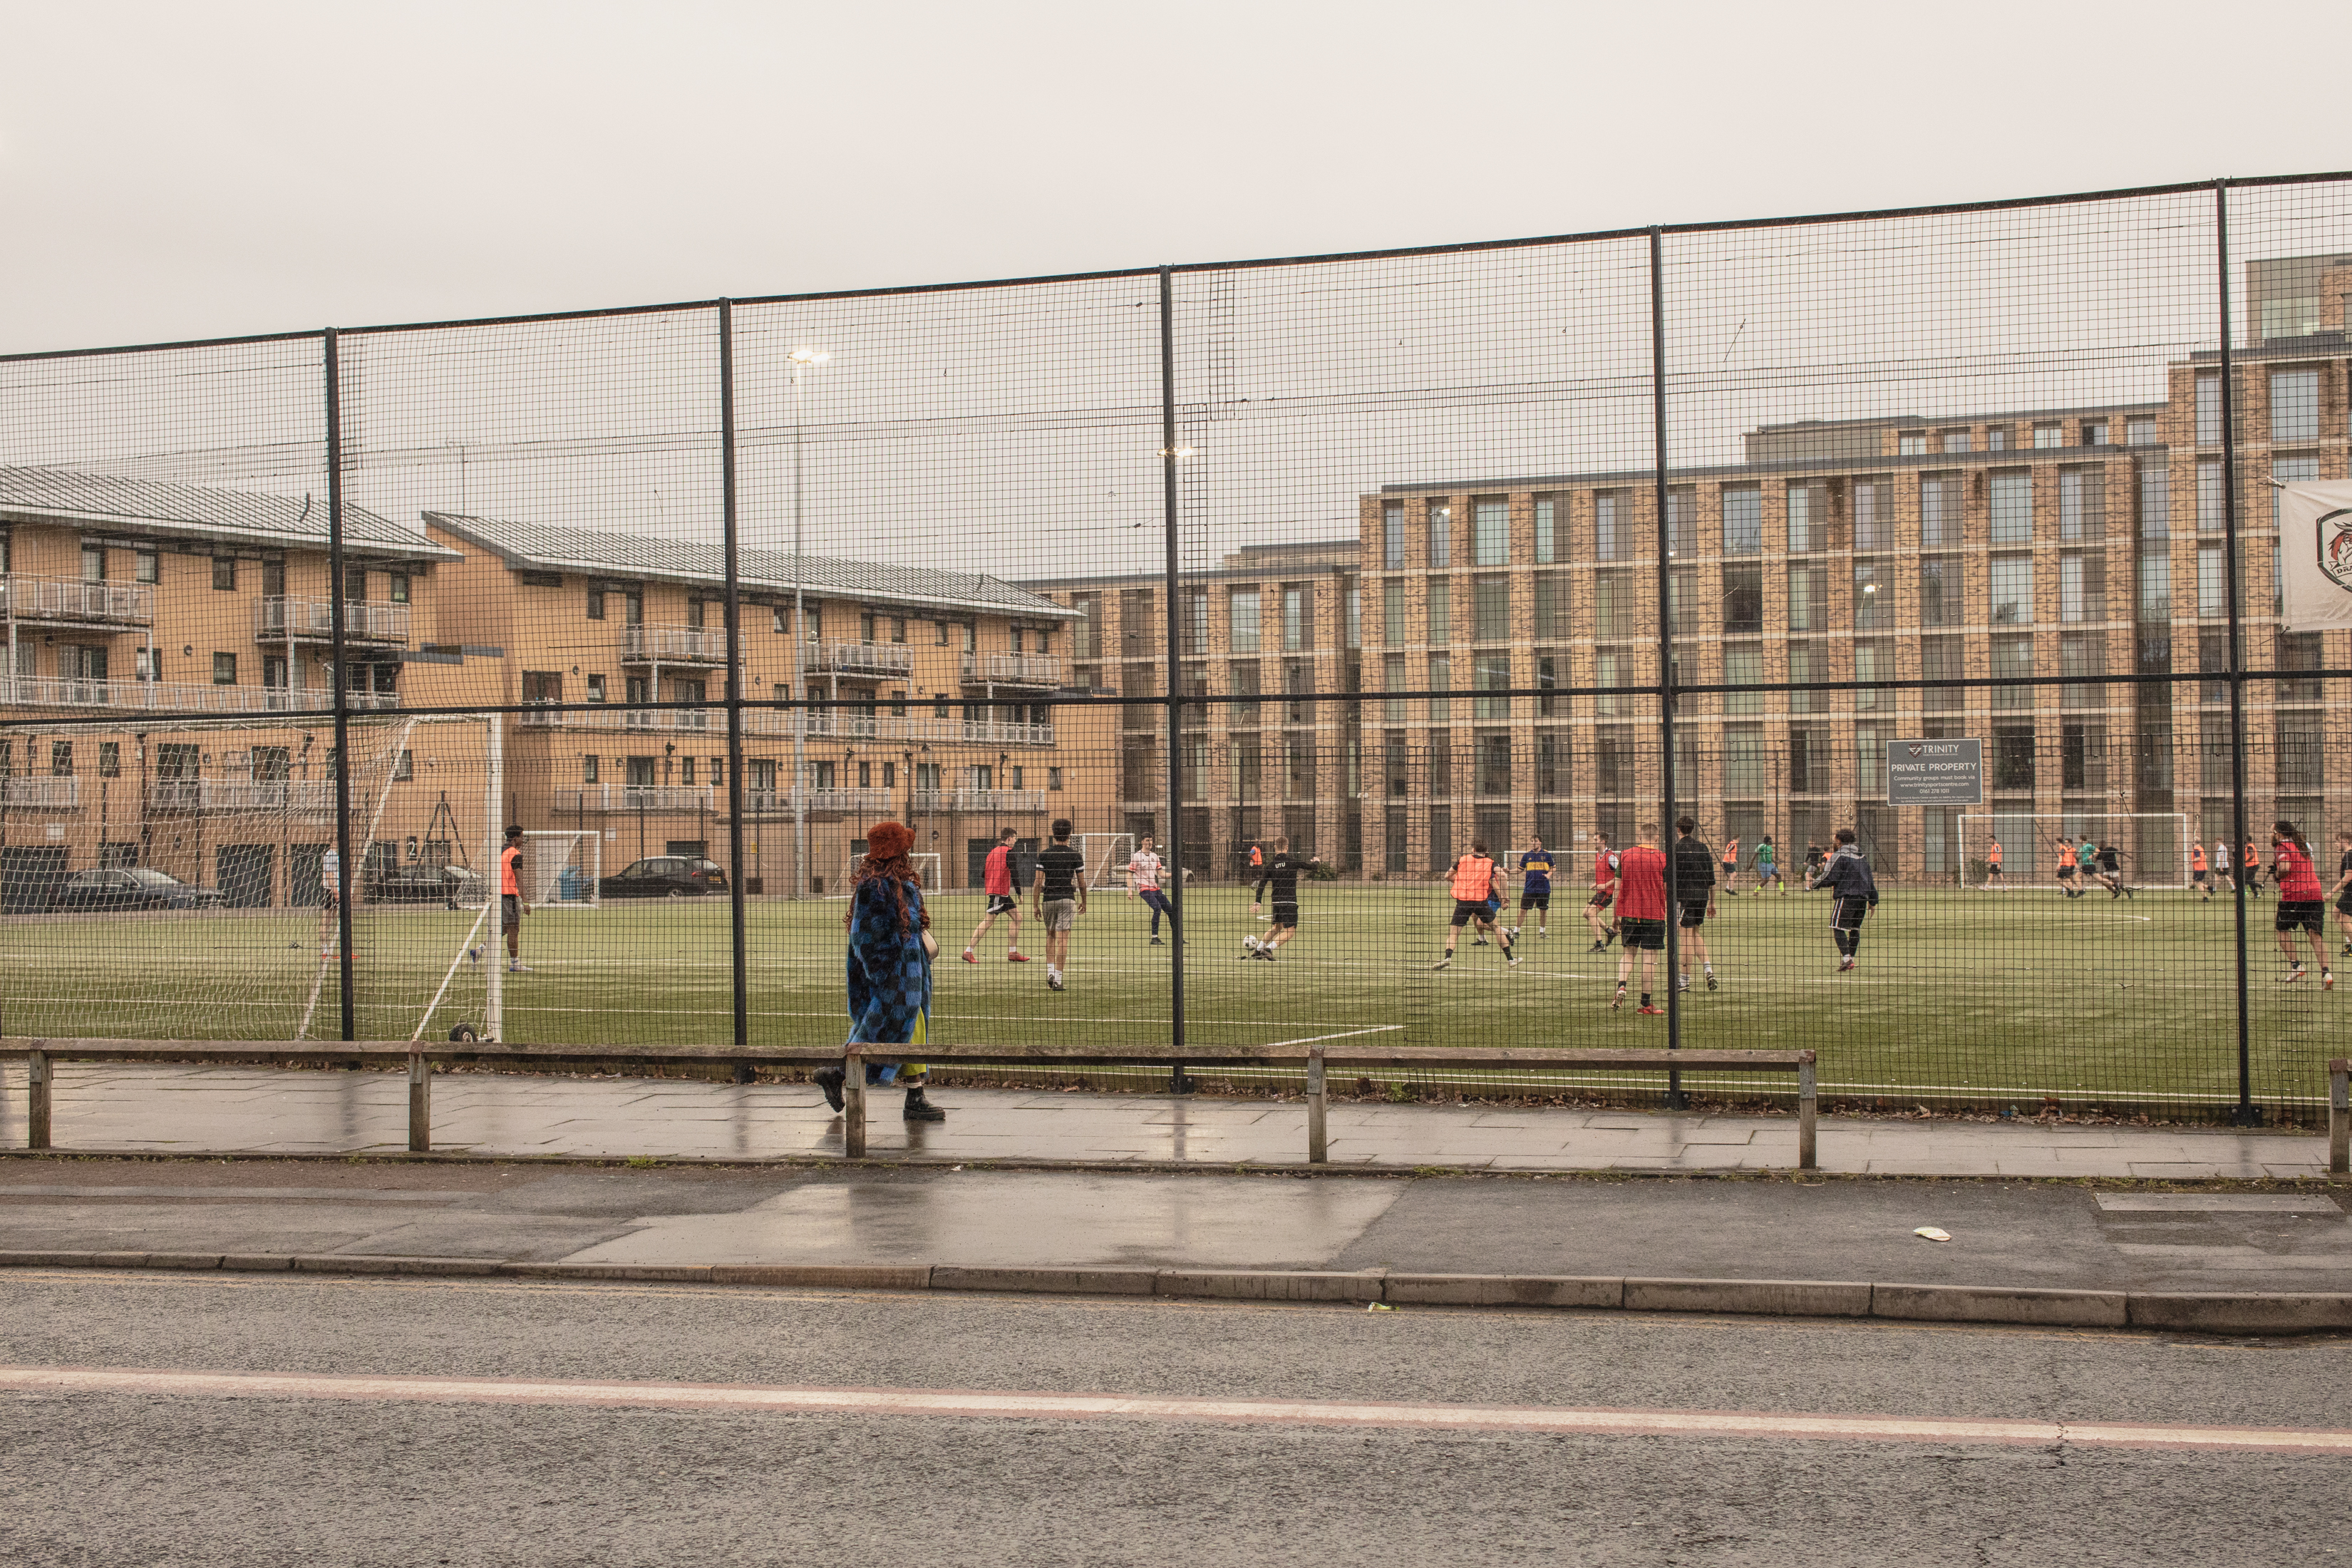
(930, 945)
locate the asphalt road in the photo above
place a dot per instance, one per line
(134, 1477)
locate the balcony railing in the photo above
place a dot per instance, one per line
(282, 616)
(987, 800)
(830, 723)
(68, 601)
(1011, 670)
(679, 721)
(301, 798)
(632, 798)
(878, 658)
(42, 793)
(672, 645)
(848, 801)
(150, 695)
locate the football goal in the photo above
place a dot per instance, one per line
(1107, 857)
(560, 868)
(926, 867)
(2152, 847)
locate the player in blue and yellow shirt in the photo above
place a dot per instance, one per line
(1535, 889)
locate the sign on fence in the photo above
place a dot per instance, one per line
(1936, 772)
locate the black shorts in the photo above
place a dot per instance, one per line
(1848, 914)
(1694, 914)
(1464, 911)
(509, 912)
(1600, 900)
(1285, 915)
(1647, 936)
(2306, 913)
(1992, 871)
(2344, 902)
(1535, 900)
(2065, 873)
(2200, 876)
(1005, 903)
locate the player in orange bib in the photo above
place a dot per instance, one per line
(1993, 868)
(2201, 874)
(2066, 859)
(1475, 901)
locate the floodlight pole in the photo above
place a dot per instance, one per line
(800, 658)
(2247, 1114)
(731, 546)
(1671, 978)
(350, 874)
(1177, 1083)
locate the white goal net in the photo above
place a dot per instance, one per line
(2152, 847)
(560, 868)
(1107, 857)
(926, 867)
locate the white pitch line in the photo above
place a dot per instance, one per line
(966, 1403)
(1342, 1035)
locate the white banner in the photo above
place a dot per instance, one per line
(2315, 555)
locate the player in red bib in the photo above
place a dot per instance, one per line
(2302, 902)
(1004, 899)
(1641, 913)
(1604, 893)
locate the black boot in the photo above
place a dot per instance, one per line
(921, 1110)
(830, 1080)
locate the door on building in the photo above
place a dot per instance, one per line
(29, 874)
(306, 883)
(245, 875)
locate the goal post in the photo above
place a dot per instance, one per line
(561, 867)
(1107, 857)
(2152, 846)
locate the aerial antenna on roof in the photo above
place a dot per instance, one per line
(306, 508)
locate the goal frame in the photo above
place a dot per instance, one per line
(928, 866)
(541, 878)
(1109, 870)
(2045, 828)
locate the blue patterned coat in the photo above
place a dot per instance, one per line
(889, 974)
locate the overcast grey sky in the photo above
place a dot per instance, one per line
(172, 171)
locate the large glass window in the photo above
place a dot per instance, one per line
(1613, 605)
(1546, 531)
(1393, 679)
(2082, 585)
(1867, 593)
(2155, 499)
(2213, 581)
(2083, 503)
(1865, 669)
(1441, 534)
(1743, 665)
(1298, 617)
(1242, 608)
(2012, 659)
(2294, 405)
(1550, 617)
(1393, 535)
(1491, 672)
(1941, 659)
(1801, 670)
(1867, 523)
(1352, 597)
(1939, 592)
(1743, 599)
(2156, 587)
(1610, 526)
(1441, 609)
(1490, 533)
(1393, 620)
(1441, 679)
(2208, 410)
(1682, 520)
(2212, 512)
(1939, 511)
(2139, 430)
(2010, 498)
(1801, 522)
(1808, 602)
(1743, 520)
(1491, 605)
(2013, 590)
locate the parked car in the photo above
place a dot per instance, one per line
(419, 883)
(132, 888)
(664, 877)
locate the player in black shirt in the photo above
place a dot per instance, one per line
(1281, 873)
(2342, 891)
(1060, 896)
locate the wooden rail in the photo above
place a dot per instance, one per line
(40, 1055)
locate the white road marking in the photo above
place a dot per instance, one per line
(975, 1404)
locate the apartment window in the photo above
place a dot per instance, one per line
(93, 563)
(1393, 535)
(1802, 523)
(1681, 597)
(2082, 654)
(2212, 584)
(1491, 672)
(2155, 486)
(1392, 617)
(225, 572)
(1612, 605)
(395, 587)
(1441, 535)
(1491, 608)
(1052, 778)
(1869, 763)
(1743, 665)
(596, 689)
(2213, 500)
(1297, 619)
(1610, 526)
(1801, 670)
(2095, 432)
(1743, 599)
(1865, 669)
(1085, 631)
(1298, 682)
(1867, 592)
(1604, 675)
(2208, 410)
(110, 759)
(1546, 681)
(1441, 679)
(1911, 442)
(1546, 531)
(1808, 598)
(2083, 503)
(2052, 435)
(2156, 587)
(1549, 620)
(1939, 592)
(2013, 759)
(2294, 405)
(1867, 534)
(697, 612)
(1441, 610)
(1681, 520)
(2296, 316)
(2298, 651)
(1939, 510)
(2013, 590)
(2140, 430)
(1490, 533)
(1351, 596)
(1241, 620)
(2010, 498)
(596, 605)
(224, 669)
(1196, 623)
(61, 765)
(1392, 680)
(2082, 585)
(1996, 437)
(971, 629)
(1941, 659)
(2012, 659)
(1958, 441)
(1743, 520)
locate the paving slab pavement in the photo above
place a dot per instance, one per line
(162, 1108)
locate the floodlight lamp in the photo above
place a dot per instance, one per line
(808, 356)
(1179, 453)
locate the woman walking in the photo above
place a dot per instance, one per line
(890, 952)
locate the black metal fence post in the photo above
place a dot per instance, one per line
(1671, 978)
(1177, 1083)
(731, 548)
(349, 874)
(2248, 1113)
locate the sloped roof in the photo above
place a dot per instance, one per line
(594, 552)
(202, 511)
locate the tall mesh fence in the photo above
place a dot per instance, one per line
(1297, 590)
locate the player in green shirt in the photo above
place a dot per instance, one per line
(1768, 867)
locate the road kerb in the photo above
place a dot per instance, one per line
(2262, 1312)
(826, 1276)
(1503, 1291)
(1771, 1297)
(1268, 1285)
(1998, 1304)
(667, 1273)
(1054, 1281)
(385, 1263)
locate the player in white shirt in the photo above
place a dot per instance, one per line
(1143, 869)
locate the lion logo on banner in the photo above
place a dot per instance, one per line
(2335, 546)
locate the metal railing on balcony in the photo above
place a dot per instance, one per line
(989, 800)
(71, 601)
(151, 696)
(829, 723)
(301, 798)
(42, 793)
(280, 616)
(1011, 670)
(672, 645)
(848, 801)
(860, 658)
(634, 797)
